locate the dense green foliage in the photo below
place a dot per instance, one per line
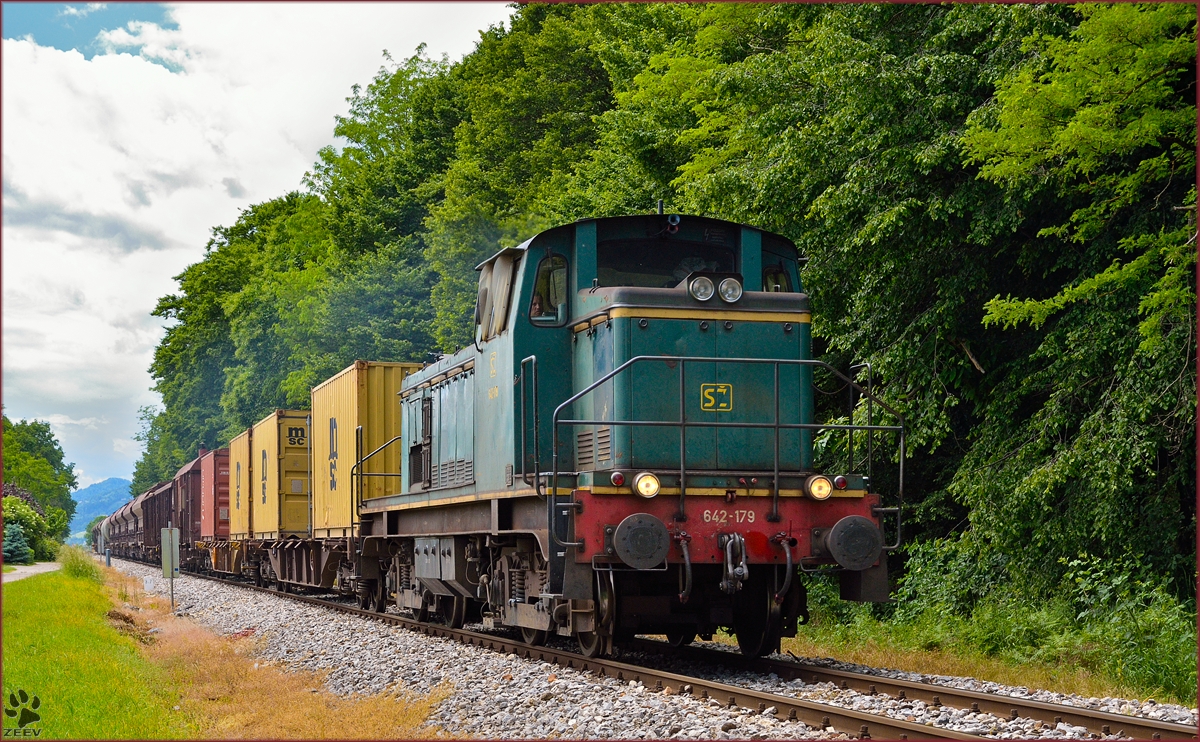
(33, 461)
(89, 534)
(997, 204)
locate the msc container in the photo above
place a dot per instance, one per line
(363, 395)
(240, 477)
(214, 495)
(280, 475)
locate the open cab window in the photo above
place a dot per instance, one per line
(548, 306)
(495, 291)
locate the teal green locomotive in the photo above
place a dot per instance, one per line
(627, 447)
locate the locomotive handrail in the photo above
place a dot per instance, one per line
(684, 423)
(356, 475)
(537, 469)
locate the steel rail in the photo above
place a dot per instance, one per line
(860, 724)
(1095, 721)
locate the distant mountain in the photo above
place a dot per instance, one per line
(101, 498)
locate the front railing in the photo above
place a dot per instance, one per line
(683, 424)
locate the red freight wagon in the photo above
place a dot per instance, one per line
(214, 498)
(185, 503)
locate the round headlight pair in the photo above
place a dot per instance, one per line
(702, 289)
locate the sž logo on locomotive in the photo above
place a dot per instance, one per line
(333, 453)
(716, 397)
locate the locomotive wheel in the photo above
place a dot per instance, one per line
(533, 637)
(681, 637)
(757, 621)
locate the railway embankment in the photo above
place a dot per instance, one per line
(493, 695)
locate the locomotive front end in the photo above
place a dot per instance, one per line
(684, 467)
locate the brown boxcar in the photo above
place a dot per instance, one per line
(185, 501)
(156, 513)
(214, 495)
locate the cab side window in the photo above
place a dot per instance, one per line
(775, 278)
(548, 306)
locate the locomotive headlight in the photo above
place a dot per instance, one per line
(819, 487)
(646, 483)
(701, 288)
(731, 290)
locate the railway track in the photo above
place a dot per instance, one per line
(814, 714)
(1096, 722)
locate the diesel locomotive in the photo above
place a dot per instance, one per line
(629, 446)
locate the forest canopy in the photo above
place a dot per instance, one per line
(997, 203)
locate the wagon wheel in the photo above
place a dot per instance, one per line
(533, 637)
(453, 611)
(428, 601)
(365, 598)
(681, 637)
(757, 620)
(282, 586)
(379, 597)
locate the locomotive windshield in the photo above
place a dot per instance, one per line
(658, 263)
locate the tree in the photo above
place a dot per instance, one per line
(89, 530)
(16, 549)
(34, 461)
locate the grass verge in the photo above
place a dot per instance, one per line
(8, 569)
(91, 681)
(108, 662)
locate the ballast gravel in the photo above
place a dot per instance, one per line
(497, 696)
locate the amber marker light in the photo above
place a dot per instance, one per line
(819, 487)
(646, 484)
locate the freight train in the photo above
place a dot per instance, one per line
(629, 446)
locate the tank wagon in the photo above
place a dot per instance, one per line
(628, 446)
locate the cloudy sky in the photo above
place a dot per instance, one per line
(129, 131)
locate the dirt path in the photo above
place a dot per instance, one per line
(25, 570)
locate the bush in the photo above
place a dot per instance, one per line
(77, 562)
(32, 525)
(16, 548)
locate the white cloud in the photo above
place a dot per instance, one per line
(71, 10)
(116, 168)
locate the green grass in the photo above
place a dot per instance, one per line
(92, 681)
(8, 569)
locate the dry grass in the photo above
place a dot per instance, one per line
(1060, 679)
(230, 695)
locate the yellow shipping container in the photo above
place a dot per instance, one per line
(280, 468)
(362, 395)
(240, 491)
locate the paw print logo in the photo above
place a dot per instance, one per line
(21, 704)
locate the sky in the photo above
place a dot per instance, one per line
(129, 131)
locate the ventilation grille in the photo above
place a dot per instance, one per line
(585, 453)
(604, 444)
(453, 473)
